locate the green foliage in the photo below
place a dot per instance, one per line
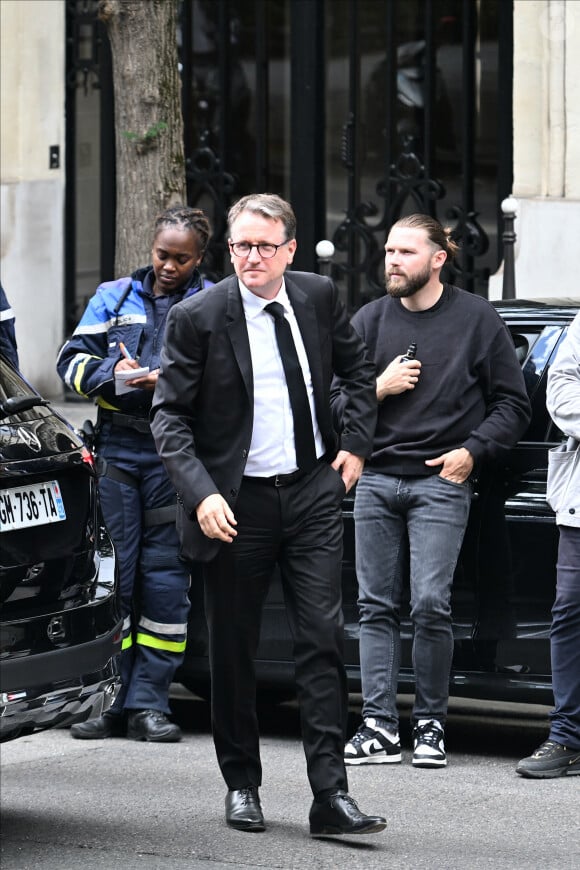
(147, 139)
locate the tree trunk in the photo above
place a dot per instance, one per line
(150, 170)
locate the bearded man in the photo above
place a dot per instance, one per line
(459, 403)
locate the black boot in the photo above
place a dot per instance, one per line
(107, 725)
(153, 726)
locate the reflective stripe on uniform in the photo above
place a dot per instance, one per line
(163, 627)
(76, 370)
(104, 326)
(156, 643)
(103, 404)
(127, 635)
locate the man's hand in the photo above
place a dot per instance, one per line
(349, 467)
(216, 519)
(398, 377)
(457, 465)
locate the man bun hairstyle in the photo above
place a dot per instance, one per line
(436, 233)
(185, 218)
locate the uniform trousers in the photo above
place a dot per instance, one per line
(153, 581)
(299, 528)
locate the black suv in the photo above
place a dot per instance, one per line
(505, 580)
(60, 624)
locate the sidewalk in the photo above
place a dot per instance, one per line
(76, 411)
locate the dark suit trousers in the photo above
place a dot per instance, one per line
(299, 527)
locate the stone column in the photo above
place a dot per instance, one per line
(546, 148)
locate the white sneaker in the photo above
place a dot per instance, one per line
(373, 745)
(428, 745)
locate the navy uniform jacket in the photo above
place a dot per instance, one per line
(122, 310)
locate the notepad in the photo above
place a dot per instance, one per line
(121, 378)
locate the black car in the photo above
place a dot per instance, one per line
(505, 580)
(60, 623)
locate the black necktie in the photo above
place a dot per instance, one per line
(303, 434)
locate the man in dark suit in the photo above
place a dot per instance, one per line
(260, 480)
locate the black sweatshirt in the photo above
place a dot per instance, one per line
(470, 393)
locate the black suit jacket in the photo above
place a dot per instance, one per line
(202, 413)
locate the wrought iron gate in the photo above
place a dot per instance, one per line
(425, 126)
(357, 111)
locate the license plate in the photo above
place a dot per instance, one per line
(34, 505)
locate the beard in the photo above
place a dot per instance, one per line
(408, 286)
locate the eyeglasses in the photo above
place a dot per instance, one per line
(266, 250)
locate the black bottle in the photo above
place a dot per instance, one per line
(411, 352)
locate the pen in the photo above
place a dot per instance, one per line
(125, 352)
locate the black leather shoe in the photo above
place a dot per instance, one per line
(107, 725)
(341, 815)
(153, 726)
(243, 809)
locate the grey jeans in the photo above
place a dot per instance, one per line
(433, 513)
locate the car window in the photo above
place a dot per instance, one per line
(12, 384)
(535, 346)
(534, 349)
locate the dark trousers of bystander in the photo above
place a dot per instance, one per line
(565, 641)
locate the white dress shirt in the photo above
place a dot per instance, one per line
(272, 449)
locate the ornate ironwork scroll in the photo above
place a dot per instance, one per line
(210, 187)
(407, 189)
(407, 182)
(84, 38)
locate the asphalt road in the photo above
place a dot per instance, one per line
(69, 804)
